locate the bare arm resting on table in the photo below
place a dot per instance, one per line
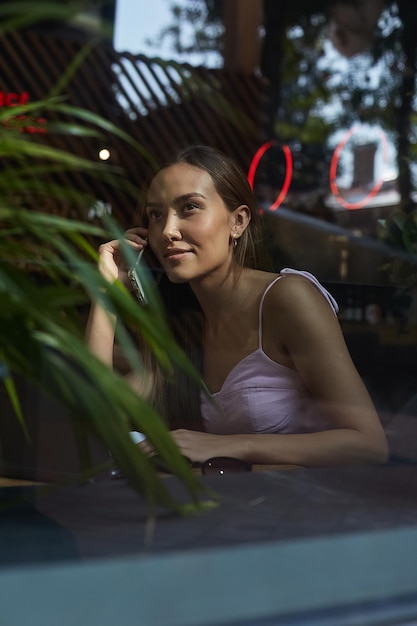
(310, 340)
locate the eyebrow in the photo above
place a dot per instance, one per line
(184, 197)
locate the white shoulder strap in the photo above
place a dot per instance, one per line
(271, 284)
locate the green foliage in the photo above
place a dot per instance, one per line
(41, 339)
(399, 231)
(49, 275)
(14, 15)
(196, 28)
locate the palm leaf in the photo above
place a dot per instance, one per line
(34, 328)
(40, 319)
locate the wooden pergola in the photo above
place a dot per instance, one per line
(162, 105)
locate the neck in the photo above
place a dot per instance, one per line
(221, 297)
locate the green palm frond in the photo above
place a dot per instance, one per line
(48, 274)
(39, 324)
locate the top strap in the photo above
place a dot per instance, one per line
(287, 270)
(332, 302)
(271, 284)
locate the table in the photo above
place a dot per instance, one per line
(310, 541)
(17, 482)
(108, 519)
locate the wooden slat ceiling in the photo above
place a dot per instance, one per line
(162, 105)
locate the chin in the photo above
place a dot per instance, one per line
(177, 278)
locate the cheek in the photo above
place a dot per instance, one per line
(153, 237)
(218, 234)
(154, 245)
(222, 237)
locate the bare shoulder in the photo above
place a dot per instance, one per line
(292, 296)
(295, 302)
(295, 290)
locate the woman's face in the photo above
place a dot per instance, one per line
(190, 227)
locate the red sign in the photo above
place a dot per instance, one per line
(333, 171)
(13, 99)
(22, 123)
(288, 171)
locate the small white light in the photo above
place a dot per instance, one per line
(104, 154)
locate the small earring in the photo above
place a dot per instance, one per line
(235, 238)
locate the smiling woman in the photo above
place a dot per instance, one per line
(280, 386)
(190, 225)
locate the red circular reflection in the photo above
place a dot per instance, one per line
(288, 171)
(333, 170)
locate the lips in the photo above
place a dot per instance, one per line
(175, 253)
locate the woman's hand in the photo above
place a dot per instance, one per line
(112, 265)
(200, 446)
(195, 445)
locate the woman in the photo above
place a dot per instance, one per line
(273, 356)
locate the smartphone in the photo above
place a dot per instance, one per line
(145, 274)
(134, 276)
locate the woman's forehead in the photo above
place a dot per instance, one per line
(181, 178)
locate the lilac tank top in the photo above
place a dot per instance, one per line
(262, 396)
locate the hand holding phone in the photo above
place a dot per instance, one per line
(134, 277)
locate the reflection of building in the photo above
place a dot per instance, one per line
(368, 193)
(364, 164)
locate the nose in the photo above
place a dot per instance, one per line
(171, 230)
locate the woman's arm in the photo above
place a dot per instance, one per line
(101, 325)
(315, 347)
(100, 333)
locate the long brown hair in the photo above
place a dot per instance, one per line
(178, 398)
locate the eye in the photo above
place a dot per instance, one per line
(153, 214)
(190, 206)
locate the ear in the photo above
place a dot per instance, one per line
(240, 220)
